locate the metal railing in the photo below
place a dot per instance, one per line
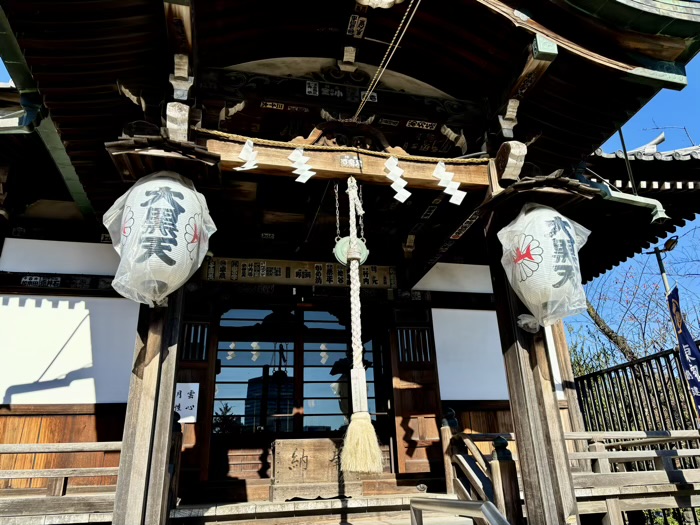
(477, 510)
(646, 394)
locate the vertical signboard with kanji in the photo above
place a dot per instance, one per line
(186, 399)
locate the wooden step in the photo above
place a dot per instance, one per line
(290, 511)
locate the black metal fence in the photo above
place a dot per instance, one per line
(647, 394)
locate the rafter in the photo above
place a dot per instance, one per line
(668, 74)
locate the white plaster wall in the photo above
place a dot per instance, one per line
(448, 277)
(29, 255)
(63, 350)
(469, 358)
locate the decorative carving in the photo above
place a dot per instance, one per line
(345, 132)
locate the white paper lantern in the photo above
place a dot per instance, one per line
(160, 228)
(540, 256)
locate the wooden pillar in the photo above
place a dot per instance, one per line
(149, 413)
(446, 439)
(546, 478)
(160, 475)
(504, 476)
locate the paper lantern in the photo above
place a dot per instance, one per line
(540, 256)
(160, 228)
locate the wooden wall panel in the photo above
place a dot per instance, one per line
(60, 424)
(486, 422)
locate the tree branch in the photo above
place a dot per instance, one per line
(616, 339)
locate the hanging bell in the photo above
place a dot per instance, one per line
(342, 247)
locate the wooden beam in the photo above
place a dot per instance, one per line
(670, 75)
(547, 484)
(332, 164)
(541, 53)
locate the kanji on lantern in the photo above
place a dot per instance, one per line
(160, 228)
(540, 256)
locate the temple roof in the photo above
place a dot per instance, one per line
(95, 76)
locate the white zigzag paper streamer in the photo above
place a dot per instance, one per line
(395, 174)
(445, 181)
(299, 161)
(249, 155)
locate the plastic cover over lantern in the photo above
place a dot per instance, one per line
(160, 228)
(540, 256)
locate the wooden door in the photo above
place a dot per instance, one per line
(416, 399)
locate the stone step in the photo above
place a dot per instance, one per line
(299, 512)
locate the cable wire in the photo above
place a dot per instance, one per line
(393, 45)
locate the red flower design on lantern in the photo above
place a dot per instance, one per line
(527, 256)
(192, 234)
(127, 224)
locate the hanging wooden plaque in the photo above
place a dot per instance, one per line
(294, 273)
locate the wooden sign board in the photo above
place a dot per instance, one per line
(295, 273)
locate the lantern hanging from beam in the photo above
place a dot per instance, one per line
(160, 228)
(540, 256)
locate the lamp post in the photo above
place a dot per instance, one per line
(687, 348)
(669, 245)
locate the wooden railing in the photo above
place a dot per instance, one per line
(59, 476)
(619, 472)
(630, 471)
(57, 501)
(472, 476)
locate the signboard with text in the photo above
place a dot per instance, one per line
(294, 273)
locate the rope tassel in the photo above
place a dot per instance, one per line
(361, 452)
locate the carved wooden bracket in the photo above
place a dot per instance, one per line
(180, 79)
(348, 63)
(509, 162)
(459, 140)
(509, 120)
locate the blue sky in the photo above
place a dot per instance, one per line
(668, 108)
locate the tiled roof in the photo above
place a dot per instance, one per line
(651, 151)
